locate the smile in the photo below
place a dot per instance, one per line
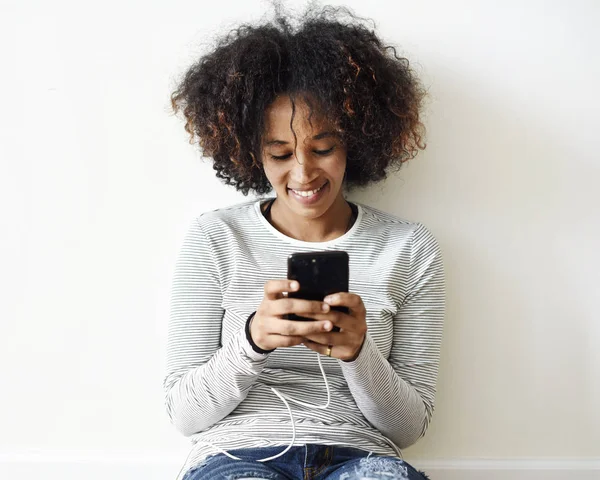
(308, 193)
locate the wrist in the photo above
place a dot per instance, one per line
(355, 356)
(254, 346)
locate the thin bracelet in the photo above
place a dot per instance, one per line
(254, 346)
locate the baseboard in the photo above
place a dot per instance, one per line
(102, 466)
(511, 469)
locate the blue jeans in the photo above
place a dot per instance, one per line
(308, 462)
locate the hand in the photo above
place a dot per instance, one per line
(347, 343)
(270, 330)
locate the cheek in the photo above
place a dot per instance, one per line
(338, 168)
(274, 175)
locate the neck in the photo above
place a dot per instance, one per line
(329, 226)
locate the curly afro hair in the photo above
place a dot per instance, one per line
(340, 68)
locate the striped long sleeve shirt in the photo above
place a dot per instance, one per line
(217, 388)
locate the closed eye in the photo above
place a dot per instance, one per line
(325, 152)
(318, 152)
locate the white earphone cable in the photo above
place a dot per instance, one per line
(284, 399)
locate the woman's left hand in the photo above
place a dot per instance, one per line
(346, 343)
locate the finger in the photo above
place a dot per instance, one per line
(345, 299)
(322, 349)
(298, 306)
(267, 335)
(340, 319)
(331, 338)
(301, 328)
(286, 341)
(274, 288)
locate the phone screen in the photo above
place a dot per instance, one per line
(319, 274)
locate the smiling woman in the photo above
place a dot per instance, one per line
(307, 113)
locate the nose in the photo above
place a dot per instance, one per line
(303, 167)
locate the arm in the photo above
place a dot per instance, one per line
(397, 394)
(204, 381)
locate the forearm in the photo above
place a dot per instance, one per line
(390, 403)
(202, 396)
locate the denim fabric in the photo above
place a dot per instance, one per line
(308, 462)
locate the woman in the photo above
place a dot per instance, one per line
(308, 112)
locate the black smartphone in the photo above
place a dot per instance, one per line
(319, 274)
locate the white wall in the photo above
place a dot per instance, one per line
(98, 185)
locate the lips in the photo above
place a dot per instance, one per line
(308, 193)
(309, 197)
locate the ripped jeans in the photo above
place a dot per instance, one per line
(308, 462)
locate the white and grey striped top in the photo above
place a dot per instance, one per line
(218, 389)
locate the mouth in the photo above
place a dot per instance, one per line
(309, 196)
(308, 193)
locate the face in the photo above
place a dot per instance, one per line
(308, 180)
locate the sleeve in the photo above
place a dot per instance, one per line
(397, 394)
(204, 380)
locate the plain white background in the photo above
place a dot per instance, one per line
(98, 186)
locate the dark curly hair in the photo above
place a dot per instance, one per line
(340, 68)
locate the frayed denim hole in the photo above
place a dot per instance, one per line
(381, 468)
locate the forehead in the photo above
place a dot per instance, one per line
(279, 115)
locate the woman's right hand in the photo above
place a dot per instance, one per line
(269, 329)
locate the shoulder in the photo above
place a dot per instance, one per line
(398, 230)
(224, 219)
(379, 221)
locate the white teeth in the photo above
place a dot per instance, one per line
(307, 193)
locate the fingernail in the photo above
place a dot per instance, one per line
(294, 285)
(327, 326)
(325, 307)
(330, 299)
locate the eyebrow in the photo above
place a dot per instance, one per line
(319, 136)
